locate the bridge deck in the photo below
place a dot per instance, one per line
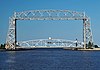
(67, 48)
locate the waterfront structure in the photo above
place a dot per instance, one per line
(11, 41)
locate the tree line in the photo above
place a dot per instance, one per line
(2, 46)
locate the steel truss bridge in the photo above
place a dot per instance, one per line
(11, 41)
(50, 43)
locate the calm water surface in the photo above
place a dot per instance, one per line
(49, 59)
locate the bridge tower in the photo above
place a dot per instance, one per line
(48, 15)
(11, 36)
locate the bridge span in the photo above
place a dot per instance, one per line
(50, 43)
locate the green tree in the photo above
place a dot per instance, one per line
(2, 46)
(96, 46)
(90, 45)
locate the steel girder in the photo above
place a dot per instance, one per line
(47, 15)
(87, 32)
(10, 41)
(42, 43)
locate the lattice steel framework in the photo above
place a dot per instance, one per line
(47, 15)
(49, 43)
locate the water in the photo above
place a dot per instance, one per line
(49, 59)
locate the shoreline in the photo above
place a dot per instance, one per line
(74, 49)
(94, 49)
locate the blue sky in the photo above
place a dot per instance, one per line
(28, 30)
